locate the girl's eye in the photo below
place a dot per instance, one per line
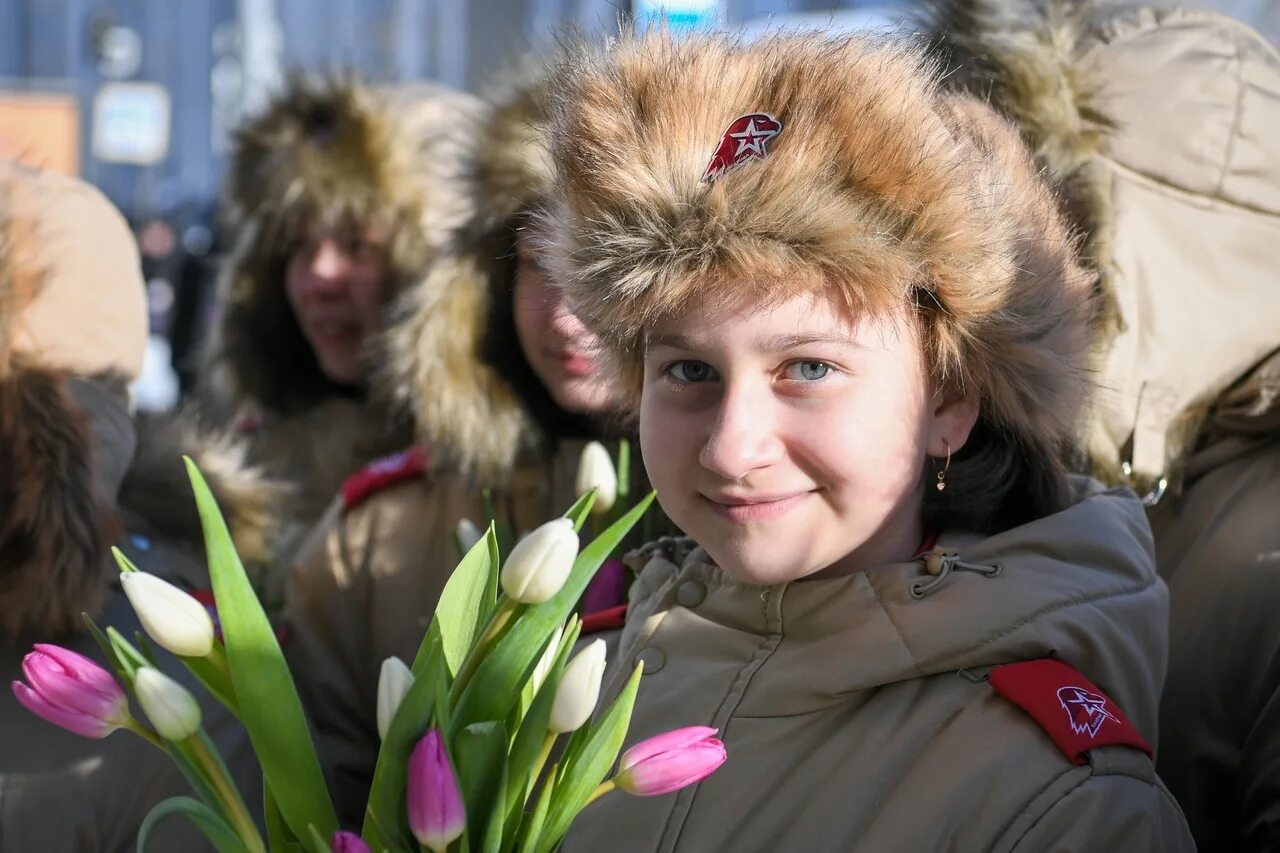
(691, 371)
(808, 371)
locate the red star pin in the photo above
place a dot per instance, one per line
(747, 138)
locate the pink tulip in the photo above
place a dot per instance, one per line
(348, 842)
(669, 762)
(436, 813)
(71, 691)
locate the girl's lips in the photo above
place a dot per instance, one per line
(576, 363)
(751, 510)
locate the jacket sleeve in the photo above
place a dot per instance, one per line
(1106, 811)
(330, 654)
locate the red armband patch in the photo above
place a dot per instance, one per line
(1076, 714)
(604, 620)
(384, 472)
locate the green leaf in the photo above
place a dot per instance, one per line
(386, 819)
(481, 762)
(219, 833)
(318, 844)
(215, 681)
(581, 509)
(269, 705)
(125, 564)
(532, 734)
(463, 607)
(108, 651)
(531, 830)
(624, 471)
(278, 835)
(495, 688)
(131, 660)
(584, 772)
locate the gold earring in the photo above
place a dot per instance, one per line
(942, 475)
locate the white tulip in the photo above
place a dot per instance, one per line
(579, 689)
(393, 683)
(596, 471)
(172, 617)
(540, 563)
(168, 705)
(468, 534)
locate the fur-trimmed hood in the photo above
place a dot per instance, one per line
(333, 152)
(1159, 128)
(879, 185)
(69, 279)
(453, 359)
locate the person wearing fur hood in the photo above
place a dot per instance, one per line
(338, 197)
(1161, 128)
(502, 383)
(856, 330)
(79, 474)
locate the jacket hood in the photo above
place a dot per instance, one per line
(867, 191)
(336, 153)
(1155, 124)
(453, 359)
(1079, 585)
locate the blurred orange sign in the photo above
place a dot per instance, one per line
(42, 129)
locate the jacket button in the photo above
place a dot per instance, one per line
(653, 660)
(690, 594)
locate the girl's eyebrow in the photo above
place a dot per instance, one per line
(774, 344)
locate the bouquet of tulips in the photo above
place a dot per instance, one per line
(469, 730)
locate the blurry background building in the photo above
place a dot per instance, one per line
(140, 96)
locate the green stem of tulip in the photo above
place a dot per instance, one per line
(232, 804)
(604, 788)
(143, 732)
(543, 755)
(218, 657)
(493, 632)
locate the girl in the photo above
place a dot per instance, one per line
(856, 332)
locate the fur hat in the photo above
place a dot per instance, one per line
(1154, 124)
(334, 153)
(880, 188)
(453, 359)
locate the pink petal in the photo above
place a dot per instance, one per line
(436, 812)
(86, 669)
(81, 724)
(665, 742)
(676, 769)
(348, 842)
(60, 687)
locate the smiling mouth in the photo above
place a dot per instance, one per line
(754, 508)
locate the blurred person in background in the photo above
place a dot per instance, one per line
(78, 475)
(1162, 130)
(338, 197)
(505, 388)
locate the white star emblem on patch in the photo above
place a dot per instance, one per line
(752, 140)
(1087, 711)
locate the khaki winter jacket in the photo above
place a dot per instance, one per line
(365, 587)
(1218, 547)
(857, 716)
(1160, 127)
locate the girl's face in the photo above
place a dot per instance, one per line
(562, 353)
(791, 440)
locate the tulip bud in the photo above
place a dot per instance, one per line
(174, 619)
(548, 658)
(348, 842)
(393, 683)
(168, 705)
(540, 563)
(437, 816)
(71, 691)
(579, 689)
(669, 762)
(468, 534)
(596, 471)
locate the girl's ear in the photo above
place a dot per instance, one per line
(951, 421)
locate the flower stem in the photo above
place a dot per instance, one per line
(143, 732)
(604, 788)
(230, 797)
